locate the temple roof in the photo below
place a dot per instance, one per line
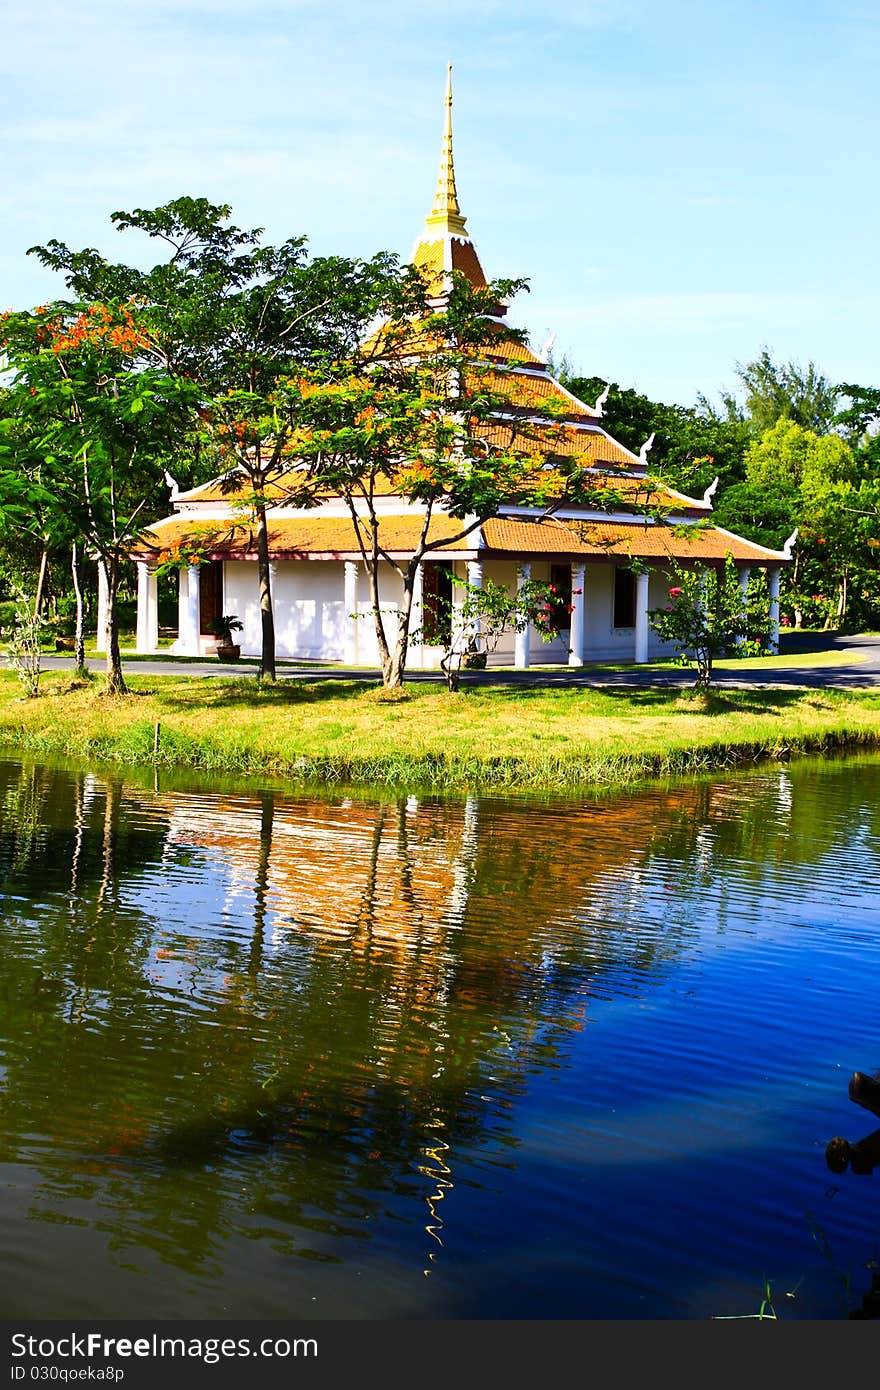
(292, 538)
(328, 538)
(535, 415)
(607, 540)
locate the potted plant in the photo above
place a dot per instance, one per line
(223, 628)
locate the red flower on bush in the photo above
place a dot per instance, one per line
(675, 592)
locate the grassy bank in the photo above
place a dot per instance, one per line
(498, 737)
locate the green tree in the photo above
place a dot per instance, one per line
(473, 627)
(798, 478)
(860, 421)
(34, 529)
(234, 319)
(707, 617)
(785, 391)
(100, 421)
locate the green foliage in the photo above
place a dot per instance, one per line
(409, 410)
(473, 625)
(707, 617)
(788, 456)
(766, 515)
(225, 626)
(233, 323)
(860, 420)
(8, 614)
(24, 646)
(692, 444)
(786, 391)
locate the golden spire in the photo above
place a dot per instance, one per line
(445, 215)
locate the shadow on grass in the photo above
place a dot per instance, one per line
(247, 693)
(659, 699)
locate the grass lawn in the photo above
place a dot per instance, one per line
(493, 736)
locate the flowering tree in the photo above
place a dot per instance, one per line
(99, 419)
(473, 627)
(706, 617)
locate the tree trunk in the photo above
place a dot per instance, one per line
(267, 619)
(41, 580)
(115, 679)
(798, 612)
(79, 648)
(865, 1091)
(842, 597)
(394, 665)
(451, 669)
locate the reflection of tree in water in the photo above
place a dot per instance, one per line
(345, 1055)
(73, 955)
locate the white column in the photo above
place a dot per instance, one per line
(641, 652)
(188, 611)
(417, 617)
(180, 646)
(773, 585)
(103, 605)
(475, 580)
(744, 599)
(349, 617)
(143, 575)
(524, 638)
(147, 609)
(578, 609)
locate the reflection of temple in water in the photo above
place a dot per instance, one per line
(332, 1003)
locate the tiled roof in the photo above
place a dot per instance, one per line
(290, 537)
(596, 449)
(429, 256)
(530, 391)
(335, 536)
(601, 539)
(560, 441)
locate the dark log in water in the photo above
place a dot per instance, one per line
(865, 1091)
(862, 1157)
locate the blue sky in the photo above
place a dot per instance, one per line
(682, 183)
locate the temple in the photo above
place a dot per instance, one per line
(321, 603)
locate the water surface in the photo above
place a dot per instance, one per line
(269, 1054)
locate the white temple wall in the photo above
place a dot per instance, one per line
(311, 617)
(241, 597)
(309, 607)
(309, 600)
(390, 597)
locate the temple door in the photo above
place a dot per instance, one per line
(210, 595)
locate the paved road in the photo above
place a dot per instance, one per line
(858, 666)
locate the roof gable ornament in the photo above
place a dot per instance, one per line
(787, 548)
(172, 484)
(710, 490)
(547, 348)
(643, 452)
(600, 403)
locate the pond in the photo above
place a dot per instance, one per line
(275, 1054)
